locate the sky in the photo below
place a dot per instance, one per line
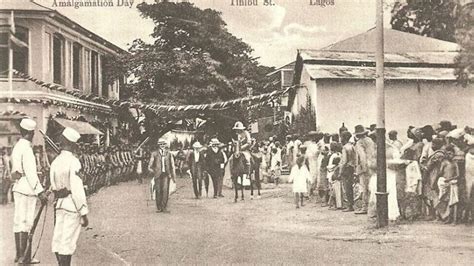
(274, 32)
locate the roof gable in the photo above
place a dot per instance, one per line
(394, 42)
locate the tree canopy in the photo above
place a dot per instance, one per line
(447, 20)
(193, 59)
(431, 18)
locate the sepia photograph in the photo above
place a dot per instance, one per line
(236, 132)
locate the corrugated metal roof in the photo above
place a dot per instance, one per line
(289, 66)
(394, 42)
(408, 57)
(391, 73)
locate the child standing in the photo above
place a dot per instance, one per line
(300, 177)
(275, 164)
(448, 187)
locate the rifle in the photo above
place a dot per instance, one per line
(31, 233)
(50, 142)
(141, 144)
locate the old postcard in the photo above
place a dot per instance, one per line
(294, 132)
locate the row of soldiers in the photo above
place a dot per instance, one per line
(101, 166)
(105, 166)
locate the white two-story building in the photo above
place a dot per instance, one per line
(59, 51)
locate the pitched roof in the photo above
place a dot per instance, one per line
(394, 42)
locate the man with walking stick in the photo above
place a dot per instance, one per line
(70, 198)
(161, 166)
(26, 189)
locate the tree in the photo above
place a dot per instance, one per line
(305, 121)
(465, 38)
(448, 20)
(193, 60)
(430, 18)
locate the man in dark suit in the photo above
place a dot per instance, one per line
(215, 161)
(161, 165)
(196, 167)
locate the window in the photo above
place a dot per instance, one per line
(105, 86)
(58, 58)
(20, 53)
(76, 65)
(94, 73)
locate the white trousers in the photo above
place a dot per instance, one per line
(24, 212)
(66, 232)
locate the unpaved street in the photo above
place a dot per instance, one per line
(124, 229)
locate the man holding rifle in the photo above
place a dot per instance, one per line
(71, 206)
(26, 189)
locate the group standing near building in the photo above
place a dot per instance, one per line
(430, 176)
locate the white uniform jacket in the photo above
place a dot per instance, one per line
(24, 162)
(63, 174)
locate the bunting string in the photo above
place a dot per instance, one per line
(157, 108)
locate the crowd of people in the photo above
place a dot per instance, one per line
(428, 177)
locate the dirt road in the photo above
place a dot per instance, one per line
(125, 229)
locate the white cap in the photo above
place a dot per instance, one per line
(71, 134)
(28, 124)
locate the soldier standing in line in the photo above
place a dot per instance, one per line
(26, 189)
(110, 165)
(70, 199)
(4, 177)
(139, 164)
(8, 172)
(116, 164)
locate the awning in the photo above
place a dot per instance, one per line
(83, 128)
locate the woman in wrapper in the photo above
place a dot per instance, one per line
(431, 168)
(408, 192)
(300, 177)
(336, 200)
(323, 162)
(335, 195)
(393, 163)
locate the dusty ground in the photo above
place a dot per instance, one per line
(124, 229)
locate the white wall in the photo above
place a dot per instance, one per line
(407, 103)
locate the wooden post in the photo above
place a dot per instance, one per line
(381, 194)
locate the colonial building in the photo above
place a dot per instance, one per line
(420, 84)
(61, 52)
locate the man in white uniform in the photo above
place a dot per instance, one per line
(70, 199)
(26, 189)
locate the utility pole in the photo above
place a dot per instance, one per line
(381, 194)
